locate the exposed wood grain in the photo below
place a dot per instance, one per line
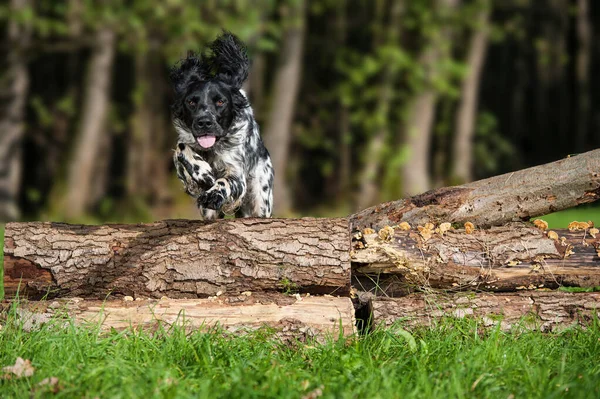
(503, 258)
(545, 311)
(516, 196)
(307, 317)
(179, 259)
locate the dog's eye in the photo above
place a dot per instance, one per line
(220, 103)
(191, 103)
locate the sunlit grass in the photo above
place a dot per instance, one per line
(560, 220)
(454, 359)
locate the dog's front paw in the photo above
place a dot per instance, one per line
(213, 198)
(193, 171)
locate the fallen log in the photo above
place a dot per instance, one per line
(543, 311)
(503, 258)
(516, 196)
(178, 259)
(292, 317)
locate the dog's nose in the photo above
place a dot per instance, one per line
(203, 122)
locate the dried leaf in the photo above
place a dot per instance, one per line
(21, 368)
(540, 224)
(368, 231)
(51, 383)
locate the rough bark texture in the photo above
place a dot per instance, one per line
(544, 311)
(506, 258)
(286, 83)
(293, 317)
(95, 110)
(179, 259)
(12, 114)
(515, 196)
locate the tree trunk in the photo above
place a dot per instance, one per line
(584, 41)
(515, 196)
(12, 119)
(344, 176)
(146, 168)
(183, 259)
(95, 112)
(466, 115)
(369, 188)
(416, 176)
(543, 311)
(505, 258)
(285, 91)
(293, 318)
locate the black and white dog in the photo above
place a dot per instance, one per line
(220, 157)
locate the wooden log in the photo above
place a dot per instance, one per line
(544, 311)
(516, 196)
(178, 259)
(503, 258)
(292, 317)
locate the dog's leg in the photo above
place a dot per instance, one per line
(259, 199)
(193, 171)
(226, 194)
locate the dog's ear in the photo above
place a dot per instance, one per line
(189, 70)
(229, 60)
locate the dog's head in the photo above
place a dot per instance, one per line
(207, 92)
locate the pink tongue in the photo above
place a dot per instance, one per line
(206, 141)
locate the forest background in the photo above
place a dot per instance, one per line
(359, 101)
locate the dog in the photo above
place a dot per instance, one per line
(220, 156)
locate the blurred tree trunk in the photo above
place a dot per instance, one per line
(467, 109)
(13, 93)
(369, 188)
(344, 138)
(421, 113)
(94, 115)
(285, 90)
(584, 41)
(146, 168)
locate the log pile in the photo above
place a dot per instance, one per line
(394, 259)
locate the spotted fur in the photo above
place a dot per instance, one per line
(235, 174)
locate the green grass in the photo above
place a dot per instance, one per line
(560, 220)
(451, 360)
(1, 261)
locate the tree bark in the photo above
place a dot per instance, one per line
(516, 196)
(418, 130)
(180, 259)
(293, 318)
(506, 258)
(466, 115)
(13, 115)
(543, 311)
(95, 111)
(285, 91)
